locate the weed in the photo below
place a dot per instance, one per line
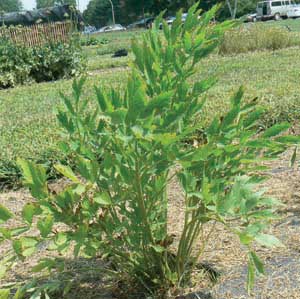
(126, 151)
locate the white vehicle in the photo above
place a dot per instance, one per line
(116, 27)
(294, 12)
(274, 9)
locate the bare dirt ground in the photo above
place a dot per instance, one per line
(223, 251)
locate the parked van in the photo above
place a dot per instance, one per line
(273, 9)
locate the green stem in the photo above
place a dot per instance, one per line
(141, 203)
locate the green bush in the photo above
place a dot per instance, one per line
(20, 64)
(255, 37)
(127, 151)
(15, 63)
(57, 60)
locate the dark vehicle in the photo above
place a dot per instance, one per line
(144, 23)
(57, 13)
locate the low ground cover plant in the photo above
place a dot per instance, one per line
(257, 37)
(126, 152)
(20, 64)
(93, 41)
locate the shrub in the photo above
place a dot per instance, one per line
(15, 62)
(257, 37)
(127, 151)
(20, 64)
(57, 60)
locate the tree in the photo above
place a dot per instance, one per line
(10, 5)
(183, 4)
(238, 8)
(50, 3)
(139, 7)
(232, 7)
(99, 12)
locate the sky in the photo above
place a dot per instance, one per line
(30, 4)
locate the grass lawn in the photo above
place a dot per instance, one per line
(28, 126)
(293, 24)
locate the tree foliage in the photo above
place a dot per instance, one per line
(237, 8)
(10, 5)
(98, 12)
(50, 3)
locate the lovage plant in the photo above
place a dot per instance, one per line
(127, 150)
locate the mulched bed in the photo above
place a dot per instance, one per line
(223, 251)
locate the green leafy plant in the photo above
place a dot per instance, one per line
(20, 64)
(93, 41)
(14, 64)
(54, 61)
(127, 151)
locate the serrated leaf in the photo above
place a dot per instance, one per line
(136, 98)
(29, 211)
(35, 178)
(45, 226)
(187, 39)
(204, 85)
(158, 103)
(28, 242)
(103, 102)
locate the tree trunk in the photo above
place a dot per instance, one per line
(143, 12)
(113, 12)
(233, 9)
